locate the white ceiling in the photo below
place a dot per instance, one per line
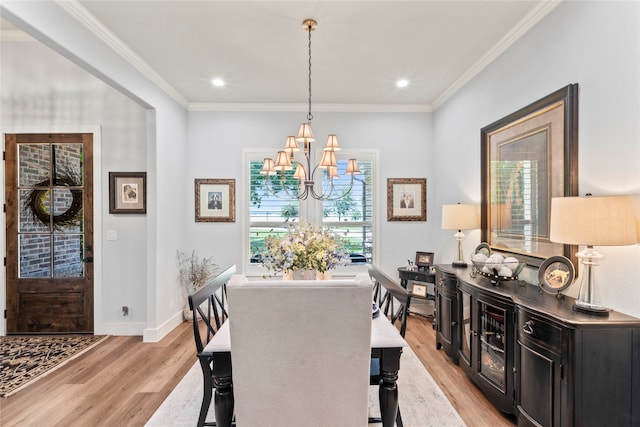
(359, 49)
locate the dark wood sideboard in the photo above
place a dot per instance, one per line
(533, 356)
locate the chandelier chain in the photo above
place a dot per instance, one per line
(309, 115)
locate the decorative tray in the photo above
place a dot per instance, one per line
(495, 266)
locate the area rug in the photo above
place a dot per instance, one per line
(422, 403)
(25, 358)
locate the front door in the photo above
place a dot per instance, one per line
(49, 213)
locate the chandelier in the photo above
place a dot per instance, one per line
(328, 166)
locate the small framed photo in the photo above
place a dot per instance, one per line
(215, 200)
(419, 290)
(127, 192)
(406, 199)
(424, 259)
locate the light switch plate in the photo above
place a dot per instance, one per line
(112, 234)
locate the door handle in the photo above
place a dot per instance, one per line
(88, 259)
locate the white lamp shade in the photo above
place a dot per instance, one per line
(291, 145)
(593, 221)
(300, 172)
(305, 133)
(328, 160)
(352, 167)
(460, 217)
(267, 167)
(332, 143)
(333, 172)
(283, 163)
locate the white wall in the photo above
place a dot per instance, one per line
(216, 141)
(163, 154)
(594, 44)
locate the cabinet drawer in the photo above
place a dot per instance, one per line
(539, 331)
(418, 277)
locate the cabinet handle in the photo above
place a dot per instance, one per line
(527, 328)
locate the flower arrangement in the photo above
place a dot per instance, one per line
(304, 247)
(194, 271)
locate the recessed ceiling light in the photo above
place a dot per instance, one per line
(217, 82)
(402, 83)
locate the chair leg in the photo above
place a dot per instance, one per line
(208, 391)
(399, 419)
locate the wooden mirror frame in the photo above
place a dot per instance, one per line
(567, 144)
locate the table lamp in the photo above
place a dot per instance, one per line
(592, 221)
(460, 217)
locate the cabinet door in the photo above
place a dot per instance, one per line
(466, 330)
(493, 361)
(536, 377)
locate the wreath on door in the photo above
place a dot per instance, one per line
(35, 200)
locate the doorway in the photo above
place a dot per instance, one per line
(49, 233)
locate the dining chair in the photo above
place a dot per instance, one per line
(301, 351)
(388, 295)
(209, 310)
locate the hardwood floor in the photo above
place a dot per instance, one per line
(122, 381)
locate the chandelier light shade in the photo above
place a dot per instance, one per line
(592, 221)
(460, 217)
(328, 166)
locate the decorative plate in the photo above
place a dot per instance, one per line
(556, 274)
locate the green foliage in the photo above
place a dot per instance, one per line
(259, 188)
(290, 210)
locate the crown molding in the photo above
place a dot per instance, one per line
(332, 108)
(82, 15)
(528, 22)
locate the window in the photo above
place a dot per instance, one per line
(352, 216)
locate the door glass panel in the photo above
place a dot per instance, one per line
(68, 254)
(492, 359)
(45, 203)
(34, 208)
(35, 255)
(34, 162)
(67, 164)
(67, 210)
(465, 343)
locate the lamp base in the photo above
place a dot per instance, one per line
(593, 309)
(459, 264)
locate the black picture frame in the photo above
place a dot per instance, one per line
(424, 259)
(127, 192)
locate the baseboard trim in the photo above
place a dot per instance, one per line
(156, 334)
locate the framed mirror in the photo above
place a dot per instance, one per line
(528, 157)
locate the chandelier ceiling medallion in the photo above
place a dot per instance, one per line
(328, 166)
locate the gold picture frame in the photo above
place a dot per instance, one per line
(215, 200)
(406, 199)
(528, 157)
(127, 192)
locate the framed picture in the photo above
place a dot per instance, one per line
(406, 199)
(528, 157)
(127, 192)
(419, 290)
(215, 200)
(424, 259)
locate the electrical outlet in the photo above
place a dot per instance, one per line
(125, 310)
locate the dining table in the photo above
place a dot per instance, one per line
(386, 345)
